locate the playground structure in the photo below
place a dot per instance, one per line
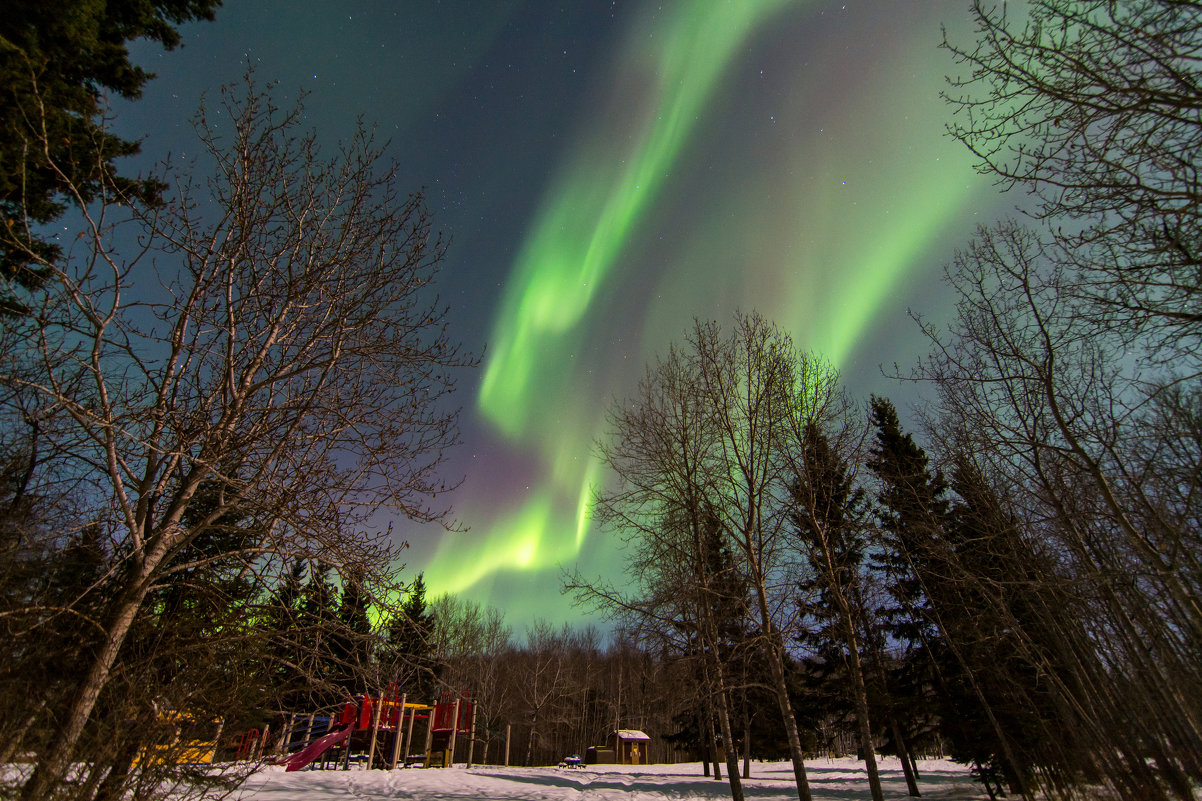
(187, 741)
(377, 731)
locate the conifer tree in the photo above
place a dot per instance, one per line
(912, 512)
(933, 608)
(318, 615)
(409, 649)
(351, 640)
(56, 62)
(827, 513)
(911, 509)
(46, 660)
(284, 631)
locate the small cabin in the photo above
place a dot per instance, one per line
(630, 747)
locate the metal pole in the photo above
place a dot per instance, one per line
(471, 742)
(350, 738)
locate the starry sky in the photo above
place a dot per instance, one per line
(607, 171)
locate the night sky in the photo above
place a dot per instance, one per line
(607, 172)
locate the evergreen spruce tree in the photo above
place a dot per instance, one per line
(318, 621)
(826, 674)
(951, 644)
(409, 647)
(910, 510)
(350, 642)
(1036, 663)
(56, 62)
(53, 598)
(283, 625)
(827, 511)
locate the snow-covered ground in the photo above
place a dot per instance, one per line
(830, 780)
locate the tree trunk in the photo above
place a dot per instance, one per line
(714, 666)
(861, 697)
(728, 745)
(903, 753)
(985, 781)
(113, 786)
(51, 768)
(530, 740)
(779, 681)
(711, 741)
(746, 746)
(776, 661)
(860, 689)
(709, 758)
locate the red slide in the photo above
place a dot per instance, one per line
(313, 750)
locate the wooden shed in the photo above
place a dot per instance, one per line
(630, 747)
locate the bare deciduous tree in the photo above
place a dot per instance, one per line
(267, 334)
(469, 642)
(749, 385)
(662, 452)
(1093, 108)
(705, 446)
(1072, 422)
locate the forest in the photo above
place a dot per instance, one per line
(197, 468)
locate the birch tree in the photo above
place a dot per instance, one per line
(749, 387)
(662, 452)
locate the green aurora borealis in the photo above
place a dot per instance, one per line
(606, 173)
(609, 182)
(791, 252)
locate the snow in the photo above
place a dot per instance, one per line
(830, 779)
(631, 734)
